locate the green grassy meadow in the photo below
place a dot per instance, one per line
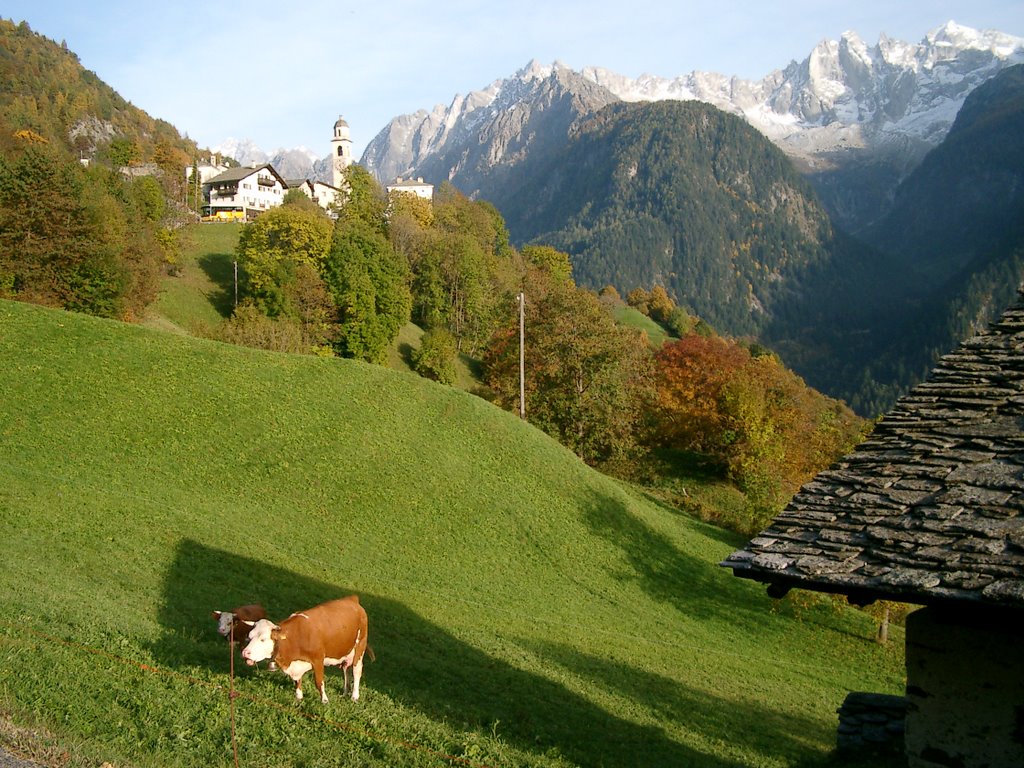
(201, 295)
(634, 318)
(525, 610)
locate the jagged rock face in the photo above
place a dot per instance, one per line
(90, 132)
(297, 163)
(478, 135)
(408, 139)
(293, 163)
(244, 151)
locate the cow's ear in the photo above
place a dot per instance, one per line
(216, 615)
(277, 634)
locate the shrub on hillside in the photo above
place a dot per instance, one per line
(435, 359)
(249, 327)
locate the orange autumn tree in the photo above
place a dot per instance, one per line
(690, 376)
(765, 427)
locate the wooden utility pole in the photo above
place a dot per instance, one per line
(522, 355)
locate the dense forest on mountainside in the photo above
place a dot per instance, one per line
(45, 89)
(950, 257)
(683, 195)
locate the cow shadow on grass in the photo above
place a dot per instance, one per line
(419, 664)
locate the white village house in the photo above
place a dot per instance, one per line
(243, 193)
(416, 187)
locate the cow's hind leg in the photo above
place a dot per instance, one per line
(357, 672)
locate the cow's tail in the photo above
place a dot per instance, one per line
(369, 650)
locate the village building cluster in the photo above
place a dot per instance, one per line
(243, 193)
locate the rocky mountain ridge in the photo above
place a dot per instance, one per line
(847, 94)
(855, 118)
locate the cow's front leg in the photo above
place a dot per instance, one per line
(295, 670)
(318, 675)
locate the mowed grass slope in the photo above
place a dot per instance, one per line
(524, 609)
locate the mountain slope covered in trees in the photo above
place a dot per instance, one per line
(45, 89)
(92, 194)
(683, 195)
(952, 250)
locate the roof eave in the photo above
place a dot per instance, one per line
(780, 583)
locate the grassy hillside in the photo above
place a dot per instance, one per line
(524, 609)
(201, 294)
(634, 318)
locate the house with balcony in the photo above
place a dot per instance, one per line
(242, 194)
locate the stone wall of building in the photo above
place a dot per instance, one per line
(965, 688)
(871, 723)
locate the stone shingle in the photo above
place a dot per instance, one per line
(931, 506)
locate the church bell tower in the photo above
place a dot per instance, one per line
(341, 151)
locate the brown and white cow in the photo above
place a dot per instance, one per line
(235, 620)
(333, 634)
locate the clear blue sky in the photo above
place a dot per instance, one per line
(280, 73)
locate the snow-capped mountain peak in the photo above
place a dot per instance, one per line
(847, 94)
(245, 151)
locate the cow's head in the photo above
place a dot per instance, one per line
(262, 638)
(224, 621)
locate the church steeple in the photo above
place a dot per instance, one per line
(341, 151)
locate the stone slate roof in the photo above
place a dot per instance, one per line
(244, 172)
(930, 508)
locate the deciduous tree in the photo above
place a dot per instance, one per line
(67, 240)
(587, 379)
(367, 278)
(691, 374)
(435, 359)
(270, 250)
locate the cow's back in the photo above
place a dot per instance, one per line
(330, 629)
(252, 612)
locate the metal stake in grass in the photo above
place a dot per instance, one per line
(231, 690)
